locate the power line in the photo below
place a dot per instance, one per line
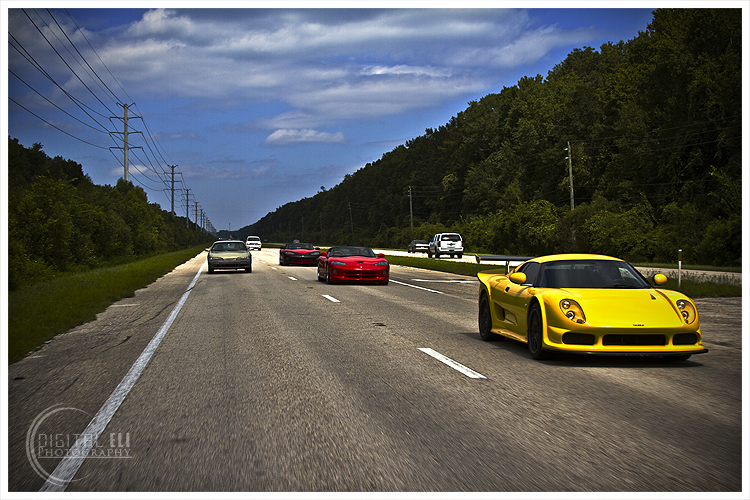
(59, 41)
(55, 127)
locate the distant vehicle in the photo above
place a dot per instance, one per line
(229, 254)
(352, 264)
(446, 244)
(298, 253)
(592, 304)
(253, 243)
(417, 246)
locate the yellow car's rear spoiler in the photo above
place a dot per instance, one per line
(501, 258)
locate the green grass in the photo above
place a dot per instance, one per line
(693, 267)
(695, 289)
(445, 265)
(39, 312)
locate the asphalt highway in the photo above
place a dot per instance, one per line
(272, 381)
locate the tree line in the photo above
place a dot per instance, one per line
(60, 221)
(650, 129)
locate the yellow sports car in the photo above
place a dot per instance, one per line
(585, 303)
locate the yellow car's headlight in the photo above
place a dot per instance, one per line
(687, 310)
(572, 311)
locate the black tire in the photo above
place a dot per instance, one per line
(210, 270)
(328, 276)
(248, 269)
(485, 320)
(319, 278)
(534, 333)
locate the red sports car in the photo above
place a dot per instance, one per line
(298, 253)
(352, 264)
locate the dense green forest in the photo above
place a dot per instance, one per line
(654, 128)
(59, 220)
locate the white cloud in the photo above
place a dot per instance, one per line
(322, 62)
(283, 137)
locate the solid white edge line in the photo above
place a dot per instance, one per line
(331, 298)
(415, 286)
(68, 467)
(453, 364)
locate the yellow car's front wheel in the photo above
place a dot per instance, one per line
(535, 332)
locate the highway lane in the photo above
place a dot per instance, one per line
(264, 384)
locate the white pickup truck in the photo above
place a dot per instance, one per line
(446, 244)
(253, 243)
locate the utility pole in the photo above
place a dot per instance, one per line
(570, 173)
(187, 208)
(126, 146)
(411, 214)
(351, 219)
(125, 142)
(172, 167)
(572, 202)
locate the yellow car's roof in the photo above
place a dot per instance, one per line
(572, 256)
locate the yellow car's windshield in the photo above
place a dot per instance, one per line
(589, 274)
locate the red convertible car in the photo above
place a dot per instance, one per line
(298, 253)
(352, 264)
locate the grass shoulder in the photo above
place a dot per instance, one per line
(39, 312)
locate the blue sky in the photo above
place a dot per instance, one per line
(259, 107)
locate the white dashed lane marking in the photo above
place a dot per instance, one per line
(415, 286)
(453, 364)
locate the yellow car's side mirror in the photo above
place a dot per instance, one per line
(518, 278)
(660, 279)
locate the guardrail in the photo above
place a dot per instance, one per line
(501, 258)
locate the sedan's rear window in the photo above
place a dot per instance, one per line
(228, 247)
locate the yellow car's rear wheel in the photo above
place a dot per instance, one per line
(485, 320)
